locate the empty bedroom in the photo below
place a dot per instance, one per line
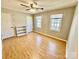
(39, 29)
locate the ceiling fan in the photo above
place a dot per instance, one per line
(31, 6)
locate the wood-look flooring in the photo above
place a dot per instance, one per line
(33, 46)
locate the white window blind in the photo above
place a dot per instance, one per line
(38, 21)
(56, 22)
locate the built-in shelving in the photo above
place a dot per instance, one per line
(21, 30)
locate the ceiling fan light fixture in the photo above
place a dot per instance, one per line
(32, 10)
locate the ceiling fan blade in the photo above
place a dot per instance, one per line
(35, 3)
(24, 5)
(27, 9)
(40, 8)
(44, 5)
(31, 5)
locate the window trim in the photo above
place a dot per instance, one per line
(37, 23)
(60, 22)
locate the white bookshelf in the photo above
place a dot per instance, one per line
(21, 30)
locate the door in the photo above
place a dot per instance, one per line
(29, 24)
(6, 24)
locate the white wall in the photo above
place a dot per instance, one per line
(6, 24)
(18, 18)
(72, 44)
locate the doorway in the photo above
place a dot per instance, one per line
(29, 24)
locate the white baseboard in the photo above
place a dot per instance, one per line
(51, 36)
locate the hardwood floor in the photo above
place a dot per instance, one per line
(33, 46)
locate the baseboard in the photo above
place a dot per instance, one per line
(8, 37)
(51, 36)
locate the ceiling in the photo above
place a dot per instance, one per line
(46, 4)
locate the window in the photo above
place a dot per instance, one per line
(38, 21)
(56, 22)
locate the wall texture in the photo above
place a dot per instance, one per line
(72, 44)
(18, 18)
(65, 26)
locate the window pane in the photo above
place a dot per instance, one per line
(38, 21)
(56, 22)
